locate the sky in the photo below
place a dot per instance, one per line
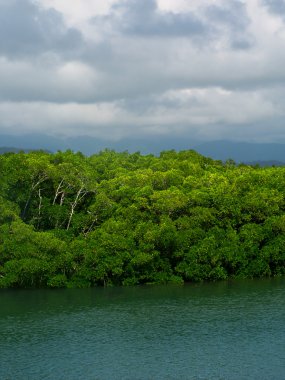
(143, 69)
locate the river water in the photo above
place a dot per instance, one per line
(226, 330)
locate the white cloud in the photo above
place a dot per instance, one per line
(211, 68)
(59, 119)
(205, 112)
(78, 13)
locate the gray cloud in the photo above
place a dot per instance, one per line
(135, 18)
(143, 18)
(234, 18)
(25, 30)
(215, 71)
(233, 14)
(275, 6)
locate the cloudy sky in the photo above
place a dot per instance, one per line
(116, 69)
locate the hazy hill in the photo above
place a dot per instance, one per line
(243, 152)
(253, 153)
(265, 163)
(5, 149)
(89, 145)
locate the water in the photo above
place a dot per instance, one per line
(225, 330)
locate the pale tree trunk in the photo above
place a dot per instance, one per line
(62, 198)
(89, 229)
(40, 202)
(34, 186)
(79, 196)
(58, 191)
(39, 208)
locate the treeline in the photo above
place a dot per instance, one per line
(67, 220)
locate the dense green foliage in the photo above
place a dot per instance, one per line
(123, 219)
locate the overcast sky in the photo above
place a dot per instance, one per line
(115, 69)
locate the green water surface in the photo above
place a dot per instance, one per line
(228, 330)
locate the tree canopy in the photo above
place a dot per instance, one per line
(67, 220)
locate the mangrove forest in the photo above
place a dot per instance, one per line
(68, 220)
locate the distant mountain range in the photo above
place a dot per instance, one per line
(89, 145)
(264, 154)
(6, 149)
(243, 152)
(265, 163)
